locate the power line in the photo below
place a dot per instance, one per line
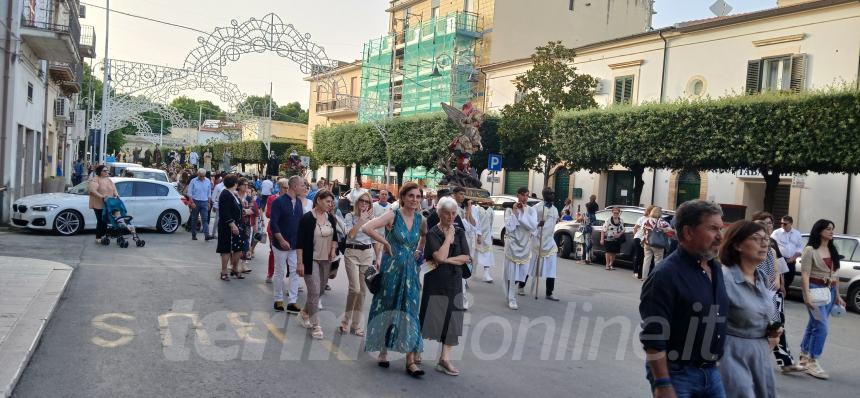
(148, 19)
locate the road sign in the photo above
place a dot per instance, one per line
(494, 162)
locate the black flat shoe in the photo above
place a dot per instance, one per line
(414, 373)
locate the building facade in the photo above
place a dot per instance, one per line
(798, 45)
(42, 68)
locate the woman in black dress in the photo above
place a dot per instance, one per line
(441, 313)
(229, 235)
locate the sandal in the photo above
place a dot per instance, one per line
(225, 277)
(446, 368)
(306, 323)
(417, 373)
(341, 329)
(317, 333)
(357, 331)
(382, 361)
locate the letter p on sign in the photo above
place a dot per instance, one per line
(494, 162)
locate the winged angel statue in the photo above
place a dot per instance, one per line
(463, 146)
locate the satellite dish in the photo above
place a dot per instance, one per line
(720, 8)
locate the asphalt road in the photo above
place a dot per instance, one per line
(156, 321)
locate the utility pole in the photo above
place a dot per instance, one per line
(161, 132)
(199, 124)
(105, 89)
(268, 136)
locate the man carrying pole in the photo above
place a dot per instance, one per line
(520, 225)
(543, 262)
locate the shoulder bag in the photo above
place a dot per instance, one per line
(657, 238)
(820, 296)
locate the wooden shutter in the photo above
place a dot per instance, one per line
(619, 90)
(753, 76)
(798, 73)
(628, 89)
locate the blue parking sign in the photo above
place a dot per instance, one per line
(494, 162)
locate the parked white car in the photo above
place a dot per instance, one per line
(115, 169)
(499, 213)
(146, 173)
(153, 204)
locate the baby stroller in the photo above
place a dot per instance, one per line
(118, 227)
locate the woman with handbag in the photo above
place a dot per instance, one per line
(655, 239)
(818, 265)
(358, 257)
(447, 255)
(315, 249)
(611, 237)
(393, 322)
(229, 233)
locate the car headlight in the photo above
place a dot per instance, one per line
(44, 207)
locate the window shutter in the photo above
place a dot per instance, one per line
(628, 89)
(798, 73)
(753, 76)
(619, 90)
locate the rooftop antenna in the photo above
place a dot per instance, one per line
(720, 8)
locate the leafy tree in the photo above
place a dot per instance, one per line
(551, 85)
(775, 134)
(258, 106)
(291, 112)
(192, 109)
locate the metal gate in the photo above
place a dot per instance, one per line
(514, 180)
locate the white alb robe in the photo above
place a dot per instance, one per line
(518, 238)
(544, 246)
(484, 249)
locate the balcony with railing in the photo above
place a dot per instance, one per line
(68, 76)
(346, 105)
(88, 41)
(51, 29)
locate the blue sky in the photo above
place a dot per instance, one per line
(670, 12)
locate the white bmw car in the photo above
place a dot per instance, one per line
(153, 204)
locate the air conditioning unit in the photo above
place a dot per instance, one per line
(61, 108)
(601, 88)
(82, 11)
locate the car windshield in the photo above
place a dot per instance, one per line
(80, 189)
(150, 175)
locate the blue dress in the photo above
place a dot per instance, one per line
(393, 323)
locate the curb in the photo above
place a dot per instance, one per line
(23, 338)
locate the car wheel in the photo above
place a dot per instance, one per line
(168, 222)
(68, 222)
(853, 301)
(566, 246)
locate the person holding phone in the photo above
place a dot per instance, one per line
(746, 367)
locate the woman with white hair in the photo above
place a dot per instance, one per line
(447, 255)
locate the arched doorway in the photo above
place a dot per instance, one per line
(561, 186)
(689, 187)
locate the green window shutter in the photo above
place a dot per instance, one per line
(619, 90)
(753, 76)
(798, 73)
(628, 89)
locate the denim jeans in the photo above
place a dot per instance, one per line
(201, 210)
(587, 242)
(816, 330)
(689, 381)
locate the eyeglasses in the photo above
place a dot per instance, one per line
(761, 240)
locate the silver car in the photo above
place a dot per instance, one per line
(848, 273)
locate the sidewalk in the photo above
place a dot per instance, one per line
(29, 292)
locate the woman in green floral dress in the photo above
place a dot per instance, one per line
(393, 322)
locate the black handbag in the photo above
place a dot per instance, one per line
(373, 279)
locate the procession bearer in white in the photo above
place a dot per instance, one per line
(544, 260)
(468, 212)
(484, 246)
(520, 224)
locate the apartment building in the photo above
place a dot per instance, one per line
(795, 46)
(42, 70)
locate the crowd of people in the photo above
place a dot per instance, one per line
(717, 298)
(713, 317)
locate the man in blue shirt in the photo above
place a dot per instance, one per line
(286, 212)
(683, 308)
(200, 191)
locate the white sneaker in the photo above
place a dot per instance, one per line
(320, 305)
(466, 302)
(512, 304)
(814, 369)
(487, 277)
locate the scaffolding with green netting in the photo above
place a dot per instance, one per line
(433, 62)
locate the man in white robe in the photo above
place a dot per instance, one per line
(544, 261)
(484, 242)
(520, 225)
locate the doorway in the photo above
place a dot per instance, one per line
(689, 187)
(562, 186)
(619, 188)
